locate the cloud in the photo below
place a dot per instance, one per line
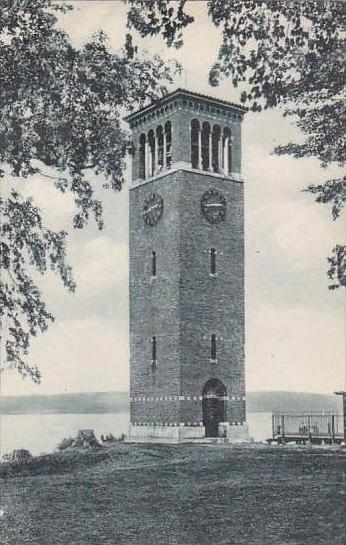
(57, 208)
(102, 265)
(294, 349)
(299, 233)
(281, 221)
(108, 16)
(76, 355)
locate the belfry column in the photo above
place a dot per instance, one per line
(164, 149)
(225, 156)
(199, 149)
(210, 166)
(156, 153)
(150, 162)
(230, 155)
(147, 175)
(219, 145)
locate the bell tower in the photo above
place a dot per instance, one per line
(187, 270)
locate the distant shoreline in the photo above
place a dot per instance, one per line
(2, 413)
(119, 402)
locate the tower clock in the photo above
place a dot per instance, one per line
(213, 205)
(152, 209)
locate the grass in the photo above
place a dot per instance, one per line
(151, 494)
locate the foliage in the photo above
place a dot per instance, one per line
(26, 243)
(285, 53)
(152, 17)
(82, 440)
(333, 192)
(337, 267)
(61, 110)
(65, 443)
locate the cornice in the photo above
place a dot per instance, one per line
(182, 99)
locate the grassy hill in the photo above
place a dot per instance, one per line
(169, 494)
(115, 402)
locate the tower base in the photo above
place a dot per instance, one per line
(186, 434)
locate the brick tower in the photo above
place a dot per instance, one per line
(187, 270)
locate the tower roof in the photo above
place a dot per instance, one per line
(188, 95)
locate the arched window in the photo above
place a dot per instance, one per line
(206, 146)
(212, 261)
(159, 141)
(142, 162)
(195, 143)
(213, 347)
(216, 148)
(227, 151)
(168, 138)
(151, 154)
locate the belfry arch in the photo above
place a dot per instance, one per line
(206, 146)
(195, 143)
(155, 151)
(211, 147)
(216, 149)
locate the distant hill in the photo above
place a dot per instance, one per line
(116, 402)
(93, 402)
(292, 401)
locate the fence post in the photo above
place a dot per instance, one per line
(333, 428)
(283, 427)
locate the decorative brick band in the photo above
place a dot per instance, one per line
(182, 165)
(183, 424)
(184, 398)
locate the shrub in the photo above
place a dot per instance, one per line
(65, 443)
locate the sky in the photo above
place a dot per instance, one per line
(294, 324)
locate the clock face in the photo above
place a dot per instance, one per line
(213, 205)
(153, 209)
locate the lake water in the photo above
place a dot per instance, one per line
(40, 433)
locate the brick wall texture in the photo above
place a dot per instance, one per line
(184, 305)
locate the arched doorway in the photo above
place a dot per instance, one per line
(213, 406)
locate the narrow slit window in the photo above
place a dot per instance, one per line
(153, 349)
(213, 347)
(153, 264)
(213, 261)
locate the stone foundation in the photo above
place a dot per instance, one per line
(234, 433)
(164, 434)
(180, 434)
